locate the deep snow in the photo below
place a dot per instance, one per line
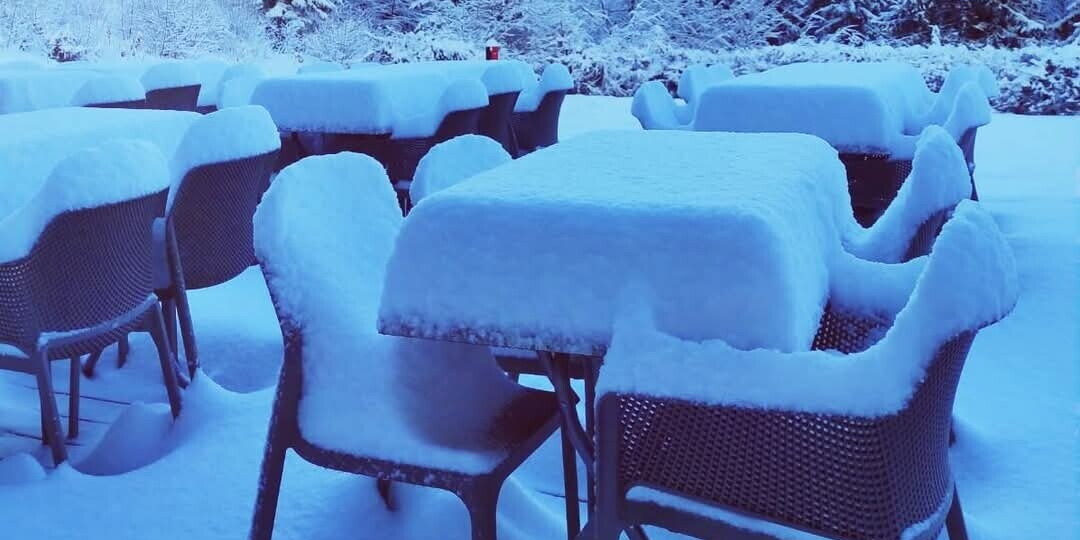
(1015, 457)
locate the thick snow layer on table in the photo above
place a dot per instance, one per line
(40, 139)
(171, 75)
(353, 101)
(498, 76)
(225, 135)
(969, 281)
(109, 89)
(30, 90)
(721, 230)
(211, 71)
(454, 161)
(555, 78)
(113, 171)
(324, 231)
(938, 180)
(857, 107)
(424, 120)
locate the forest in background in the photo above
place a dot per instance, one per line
(610, 46)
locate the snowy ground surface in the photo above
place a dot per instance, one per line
(136, 475)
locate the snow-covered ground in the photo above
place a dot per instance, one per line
(140, 476)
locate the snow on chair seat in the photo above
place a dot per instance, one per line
(848, 441)
(111, 91)
(654, 107)
(219, 172)
(447, 416)
(76, 270)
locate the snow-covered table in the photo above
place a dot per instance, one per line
(725, 235)
(376, 100)
(35, 141)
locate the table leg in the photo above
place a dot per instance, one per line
(574, 435)
(570, 486)
(590, 369)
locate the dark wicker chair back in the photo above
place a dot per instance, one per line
(540, 128)
(839, 476)
(87, 267)
(923, 240)
(967, 146)
(211, 218)
(873, 182)
(133, 104)
(457, 123)
(496, 121)
(181, 98)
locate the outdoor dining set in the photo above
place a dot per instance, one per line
(753, 314)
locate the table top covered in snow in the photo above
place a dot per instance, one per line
(402, 99)
(727, 236)
(856, 107)
(499, 76)
(34, 142)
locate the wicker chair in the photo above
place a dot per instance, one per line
(205, 238)
(518, 429)
(536, 117)
(967, 144)
(497, 119)
(86, 282)
(180, 98)
(740, 471)
(540, 128)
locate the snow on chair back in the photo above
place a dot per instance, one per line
(654, 108)
(220, 170)
(453, 161)
(938, 182)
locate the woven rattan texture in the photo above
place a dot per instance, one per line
(540, 128)
(401, 156)
(212, 215)
(873, 181)
(848, 477)
(180, 98)
(87, 267)
(134, 104)
(496, 121)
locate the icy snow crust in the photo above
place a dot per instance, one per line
(536, 252)
(224, 135)
(857, 107)
(453, 161)
(969, 281)
(46, 137)
(373, 101)
(554, 78)
(110, 172)
(109, 89)
(324, 232)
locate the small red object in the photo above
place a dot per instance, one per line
(491, 50)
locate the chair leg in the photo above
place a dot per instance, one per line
(570, 487)
(165, 356)
(91, 363)
(123, 348)
(266, 500)
(51, 433)
(187, 331)
(168, 310)
(482, 502)
(73, 397)
(954, 522)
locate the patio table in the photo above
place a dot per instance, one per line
(35, 141)
(726, 235)
(355, 101)
(872, 113)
